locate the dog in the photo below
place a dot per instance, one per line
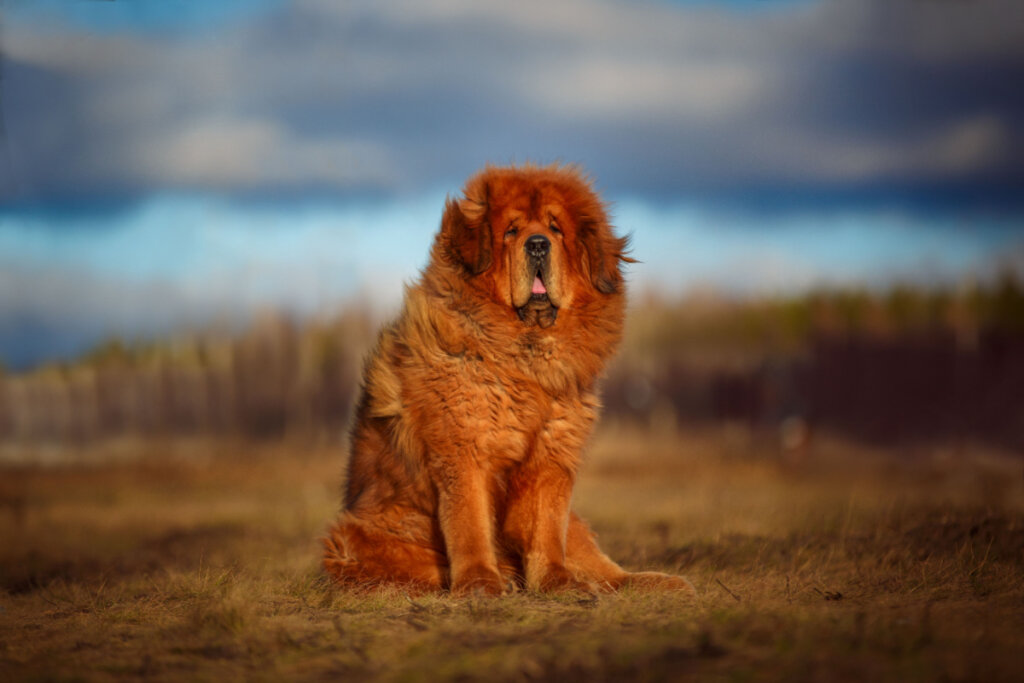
(477, 401)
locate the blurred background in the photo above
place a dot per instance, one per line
(207, 208)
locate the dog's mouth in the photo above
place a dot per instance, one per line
(538, 291)
(538, 309)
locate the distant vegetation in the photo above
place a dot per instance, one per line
(276, 378)
(753, 327)
(903, 363)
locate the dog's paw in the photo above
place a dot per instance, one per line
(479, 580)
(558, 579)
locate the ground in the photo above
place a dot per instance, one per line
(200, 561)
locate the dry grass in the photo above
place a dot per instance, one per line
(199, 561)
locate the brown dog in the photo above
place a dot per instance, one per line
(477, 401)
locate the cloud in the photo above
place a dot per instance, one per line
(615, 91)
(955, 151)
(657, 100)
(226, 153)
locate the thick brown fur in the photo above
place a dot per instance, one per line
(477, 401)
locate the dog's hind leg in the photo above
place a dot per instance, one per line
(585, 560)
(360, 556)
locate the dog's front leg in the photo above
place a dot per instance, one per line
(536, 521)
(465, 515)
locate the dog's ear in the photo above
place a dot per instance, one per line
(468, 232)
(603, 252)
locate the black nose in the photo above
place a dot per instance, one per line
(537, 246)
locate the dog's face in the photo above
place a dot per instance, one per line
(535, 239)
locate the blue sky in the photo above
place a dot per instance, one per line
(169, 163)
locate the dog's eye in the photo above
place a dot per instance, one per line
(511, 232)
(554, 228)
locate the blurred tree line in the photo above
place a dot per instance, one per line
(278, 378)
(907, 363)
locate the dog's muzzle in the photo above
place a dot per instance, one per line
(539, 309)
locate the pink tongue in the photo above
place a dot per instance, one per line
(538, 286)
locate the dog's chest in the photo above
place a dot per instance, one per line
(500, 412)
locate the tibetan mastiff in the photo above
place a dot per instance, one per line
(477, 401)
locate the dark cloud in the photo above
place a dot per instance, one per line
(884, 100)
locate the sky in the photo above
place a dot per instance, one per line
(172, 163)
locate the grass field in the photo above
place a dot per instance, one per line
(199, 561)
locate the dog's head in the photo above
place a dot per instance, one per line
(535, 239)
